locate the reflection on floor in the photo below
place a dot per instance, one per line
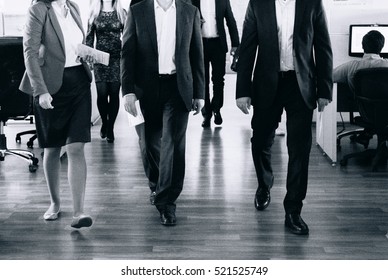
(346, 208)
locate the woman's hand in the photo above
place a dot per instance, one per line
(45, 101)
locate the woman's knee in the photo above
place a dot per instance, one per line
(75, 149)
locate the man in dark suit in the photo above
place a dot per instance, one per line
(162, 66)
(213, 14)
(293, 70)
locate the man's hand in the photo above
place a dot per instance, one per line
(45, 101)
(197, 105)
(322, 103)
(129, 104)
(244, 104)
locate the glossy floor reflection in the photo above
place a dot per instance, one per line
(346, 208)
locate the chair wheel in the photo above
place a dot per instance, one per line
(35, 161)
(32, 168)
(18, 139)
(343, 162)
(30, 144)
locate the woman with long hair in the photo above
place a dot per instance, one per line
(106, 23)
(59, 80)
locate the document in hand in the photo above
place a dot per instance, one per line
(134, 121)
(99, 56)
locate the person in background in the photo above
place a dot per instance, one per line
(372, 44)
(106, 23)
(162, 67)
(60, 81)
(287, 44)
(213, 14)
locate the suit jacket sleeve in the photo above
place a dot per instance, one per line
(128, 55)
(323, 55)
(196, 59)
(32, 38)
(232, 26)
(247, 54)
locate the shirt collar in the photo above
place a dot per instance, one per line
(157, 6)
(371, 55)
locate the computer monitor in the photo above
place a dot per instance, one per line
(357, 32)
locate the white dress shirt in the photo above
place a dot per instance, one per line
(72, 34)
(166, 36)
(285, 17)
(208, 12)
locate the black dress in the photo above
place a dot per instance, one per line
(107, 28)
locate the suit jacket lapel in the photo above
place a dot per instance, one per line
(299, 9)
(77, 18)
(269, 23)
(181, 21)
(149, 16)
(54, 21)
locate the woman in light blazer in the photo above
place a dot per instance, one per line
(59, 80)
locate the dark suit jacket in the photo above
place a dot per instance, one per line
(139, 58)
(312, 53)
(44, 49)
(224, 11)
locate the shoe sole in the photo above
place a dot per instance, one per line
(296, 232)
(83, 222)
(51, 217)
(168, 224)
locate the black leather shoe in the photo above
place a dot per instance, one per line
(167, 218)
(262, 198)
(206, 122)
(103, 132)
(296, 225)
(110, 136)
(217, 118)
(152, 197)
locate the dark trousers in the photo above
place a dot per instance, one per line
(213, 55)
(165, 143)
(299, 138)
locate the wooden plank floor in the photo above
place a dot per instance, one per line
(346, 208)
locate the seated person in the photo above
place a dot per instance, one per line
(372, 44)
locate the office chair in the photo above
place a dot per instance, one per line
(13, 103)
(18, 138)
(371, 91)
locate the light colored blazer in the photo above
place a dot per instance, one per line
(139, 59)
(313, 59)
(44, 49)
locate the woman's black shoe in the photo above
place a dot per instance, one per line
(110, 137)
(103, 132)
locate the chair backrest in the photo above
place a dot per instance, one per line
(371, 90)
(13, 103)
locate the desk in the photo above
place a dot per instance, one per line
(326, 121)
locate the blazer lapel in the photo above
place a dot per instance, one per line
(181, 21)
(269, 23)
(77, 18)
(149, 16)
(56, 26)
(299, 10)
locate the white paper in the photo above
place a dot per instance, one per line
(134, 121)
(320, 124)
(99, 56)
